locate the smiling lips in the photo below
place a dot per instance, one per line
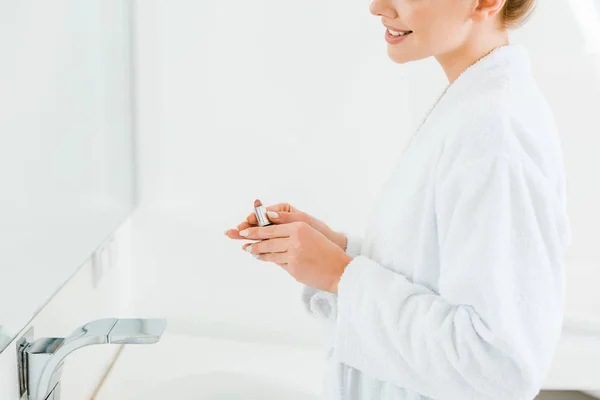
(397, 33)
(394, 36)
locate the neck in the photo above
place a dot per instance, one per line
(458, 60)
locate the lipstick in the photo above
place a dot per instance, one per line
(261, 214)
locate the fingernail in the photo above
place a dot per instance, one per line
(249, 249)
(245, 232)
(272, 214)
(255, 255)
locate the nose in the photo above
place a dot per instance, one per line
(383, 8)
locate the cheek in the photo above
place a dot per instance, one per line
(433, 17)
(420, 18)
(437, 32)
(426, 20)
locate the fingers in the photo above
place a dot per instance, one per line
(279, 245)
(281, 208)
(235, 233)
(277, 258)
(285, 207)
(244, 225)
(271, 231)
(285, 214)
(250, 220)
(284, 217)
(232, 234)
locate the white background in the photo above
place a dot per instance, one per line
(297, 102)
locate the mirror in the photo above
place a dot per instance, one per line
(66, 155)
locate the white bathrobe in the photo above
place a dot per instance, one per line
(456, 291)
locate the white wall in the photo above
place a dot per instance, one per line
(262, 110)
(298, 103)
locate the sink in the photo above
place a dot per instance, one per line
(193, 367)
(224, 386)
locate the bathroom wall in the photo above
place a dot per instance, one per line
(298, 103)
(237, 101)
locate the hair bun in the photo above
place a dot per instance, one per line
(516, 12)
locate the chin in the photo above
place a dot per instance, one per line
(400, 60)
(398, 57)
(402, 57)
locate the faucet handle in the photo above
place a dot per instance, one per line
(137, 331)
(118, 331)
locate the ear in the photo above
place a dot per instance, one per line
(487, 9)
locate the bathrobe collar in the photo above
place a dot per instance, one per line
(497, 68)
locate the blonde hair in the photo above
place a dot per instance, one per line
(516, 12)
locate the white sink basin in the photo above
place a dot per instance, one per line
(182, 367)
(224, 386)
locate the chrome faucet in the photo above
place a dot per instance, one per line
(41, 362)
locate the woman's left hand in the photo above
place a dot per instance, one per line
(305, 253)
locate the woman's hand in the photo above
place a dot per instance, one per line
(284, 214)
(304, 252)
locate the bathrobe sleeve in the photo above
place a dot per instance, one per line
(491, 331)
(323, 304)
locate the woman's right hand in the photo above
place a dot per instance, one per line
(286, 213)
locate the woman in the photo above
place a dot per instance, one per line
(456, 291)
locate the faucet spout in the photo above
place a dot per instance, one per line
(45, 357)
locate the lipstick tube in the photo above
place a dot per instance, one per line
(261, 215)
